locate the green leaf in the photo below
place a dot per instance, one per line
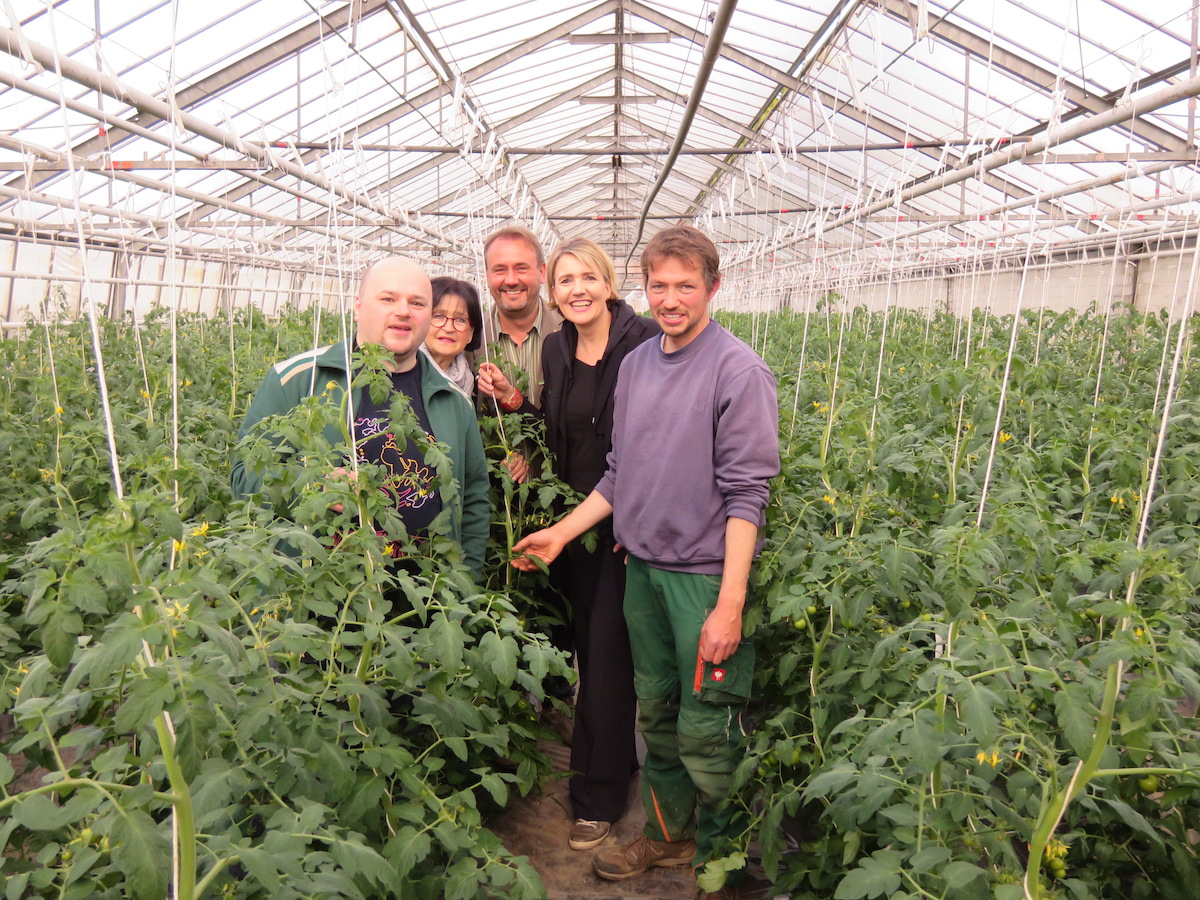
(146, 699)
(495, 785)
(463, 880)
(830, 782)
(500, 653)
(977, 703)
(367, 795)
(40, 813)
(447, 642)
(80, 590)
(360, 860)
(1133, 819)
(142, 854)
(959, 874)
(1076, 718)
(261, 866)
(527, 883)
(929, 858)
(412, 847)
(14, 886)
(714, 873)
(876, 876)
(195, 735)
(112, 652)
(59, 634)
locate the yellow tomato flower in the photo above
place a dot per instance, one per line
(200, 530)
(178, 545)
(1005, 437)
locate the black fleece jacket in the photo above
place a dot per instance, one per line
(627, 330)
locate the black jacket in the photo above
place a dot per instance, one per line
(628, 329)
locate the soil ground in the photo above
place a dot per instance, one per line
(537, 827)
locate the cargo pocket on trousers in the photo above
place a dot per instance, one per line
(728, 683)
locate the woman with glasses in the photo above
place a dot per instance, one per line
(579, 364)
(456, 326)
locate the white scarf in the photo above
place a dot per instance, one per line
(459, 372)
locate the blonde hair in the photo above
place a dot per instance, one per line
(590, 254)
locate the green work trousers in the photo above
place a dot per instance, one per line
(690, 712)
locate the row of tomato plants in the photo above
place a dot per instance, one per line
(958, 696)
(966, 694)
(209, 701)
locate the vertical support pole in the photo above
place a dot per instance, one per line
(966, 116)
(116, 290)
(1191, 126)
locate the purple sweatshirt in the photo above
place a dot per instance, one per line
(695, 442)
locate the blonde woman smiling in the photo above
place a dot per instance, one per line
(579, 365)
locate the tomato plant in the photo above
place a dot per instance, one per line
(212, 698)
(994, 678)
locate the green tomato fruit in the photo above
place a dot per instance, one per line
(1148, 783)
(800, 624)
(812, 610)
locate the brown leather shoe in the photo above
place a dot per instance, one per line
(620, 863)
(587, 834)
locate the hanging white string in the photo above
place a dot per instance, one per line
(1183, 329)
(88, 297)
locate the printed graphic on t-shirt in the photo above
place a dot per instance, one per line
(409, 481)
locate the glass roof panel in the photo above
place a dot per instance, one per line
(463, 110)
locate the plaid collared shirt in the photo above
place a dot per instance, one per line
(522, 364)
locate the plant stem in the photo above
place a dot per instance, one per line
(185, 872)
(1084, 772)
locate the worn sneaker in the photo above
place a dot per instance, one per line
(633, 859)
(586, 834)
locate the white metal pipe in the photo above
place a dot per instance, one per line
(182, 285)
(154, 222)
(89, 78)
(1073, 130)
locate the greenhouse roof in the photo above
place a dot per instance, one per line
(800, 134)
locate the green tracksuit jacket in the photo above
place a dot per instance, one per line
(450, 416)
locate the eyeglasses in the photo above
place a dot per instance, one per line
(461, 323)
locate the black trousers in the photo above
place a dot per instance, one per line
(602, 747)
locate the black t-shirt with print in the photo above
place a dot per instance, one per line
(410, 480)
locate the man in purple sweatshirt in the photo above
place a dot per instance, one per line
(695, 444)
